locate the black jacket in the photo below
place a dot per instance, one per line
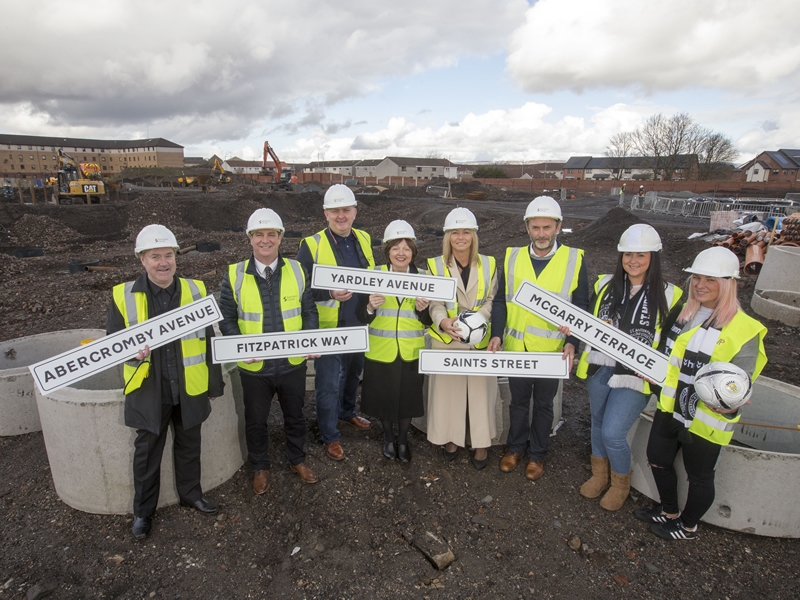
(143, 406)
(273, 321)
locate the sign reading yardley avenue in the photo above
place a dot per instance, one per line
(283, 344)
(82, 362)
(371, 281)
(606, 338)
(547, 365)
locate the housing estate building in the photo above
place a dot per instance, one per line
(773, 165)
(623, 168)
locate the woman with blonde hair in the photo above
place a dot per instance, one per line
(455, 399)
(711, 327)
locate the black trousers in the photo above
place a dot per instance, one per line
(699, 459)
(258, 393)
(533, 433)
(148, 449)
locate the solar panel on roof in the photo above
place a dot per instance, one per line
(781, 159)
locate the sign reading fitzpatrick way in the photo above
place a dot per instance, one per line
(370, 281)
(547, 365)
(283, 344)
(82, 362)
(620, 346)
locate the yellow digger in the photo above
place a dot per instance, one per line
(219, 173)
(76, 182)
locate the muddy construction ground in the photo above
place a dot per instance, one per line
(353, 528)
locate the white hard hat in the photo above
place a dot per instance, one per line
(398, 230)
(339, 195)
(543, 206)
(460, 218)
(715, 262)
(155, 236)
(639, 238)
(264, 218)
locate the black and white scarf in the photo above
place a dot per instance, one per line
(697, 354)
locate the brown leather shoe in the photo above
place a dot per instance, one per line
(260, 481)
(359, 422)
(509, 462)
(535, 469)
(334, 451)
(304, 472)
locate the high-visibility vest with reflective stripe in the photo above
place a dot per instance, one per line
(487, 268)
(673, 294)
(706, 423)
(395, 327)
(526, 331)
(133, 308)
(320, 247)
(250, 309)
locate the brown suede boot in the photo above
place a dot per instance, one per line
(598, 482)
(618, 492)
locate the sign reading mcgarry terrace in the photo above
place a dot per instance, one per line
(370, 281)
(547, 365)
(84, 361)
(283, 344)
(606, 338)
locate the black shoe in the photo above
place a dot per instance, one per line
(403, 453)
(480, 464)
(652, 515)
(141, 527)
(450, 456)
(674, 529)
(207, 507)
(389, 450)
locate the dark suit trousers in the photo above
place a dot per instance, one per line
(147, 452)
(258, 393)
(533, 431)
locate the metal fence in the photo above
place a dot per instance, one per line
(701, 208)
(437, 190)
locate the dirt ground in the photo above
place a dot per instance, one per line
(349, 535)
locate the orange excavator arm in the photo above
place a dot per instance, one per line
(269, 152)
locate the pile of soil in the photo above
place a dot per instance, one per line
(40, 231)
(349, 535)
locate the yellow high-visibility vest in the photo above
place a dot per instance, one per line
(526, 331)
(133, 308)
(487, 269)
(320, 248)
(250, 309)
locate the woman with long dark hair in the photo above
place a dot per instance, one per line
(636, 300)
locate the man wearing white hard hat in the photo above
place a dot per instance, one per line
(171, 384)
(337, 376)
(268, 293)
(561, 270)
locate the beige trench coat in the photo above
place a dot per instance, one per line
(452, 397)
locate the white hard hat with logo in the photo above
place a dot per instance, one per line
(339, 195)
(155, 236)
(264, 218)
(715, 262)
(543, 206)
(398, 230)
(460, 218)
(639, 238)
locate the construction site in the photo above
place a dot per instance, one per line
(356, 534)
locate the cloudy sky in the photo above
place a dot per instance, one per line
(506, 80)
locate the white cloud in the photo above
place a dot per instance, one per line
(728, 44)
(196, 66)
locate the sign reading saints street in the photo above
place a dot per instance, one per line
(77, 364)
(371, 281)
(283, 344)
(547, 365)
(620, 346)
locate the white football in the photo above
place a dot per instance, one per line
(723, 385)
(472, 327)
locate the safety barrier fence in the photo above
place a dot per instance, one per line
(701, 208)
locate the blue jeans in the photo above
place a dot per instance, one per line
(614, 411)
(336, 383)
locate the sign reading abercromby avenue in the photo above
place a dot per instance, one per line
(77, 364)
(371, 281)
(547, 365)
(606, 338)
(283, 344)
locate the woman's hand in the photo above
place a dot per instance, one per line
(376, 300)
(422, 303)
(563, 329)
(446, 325)
(341, 295)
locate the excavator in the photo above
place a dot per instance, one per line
(219, 173)
(281, 177)
(77, 182)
